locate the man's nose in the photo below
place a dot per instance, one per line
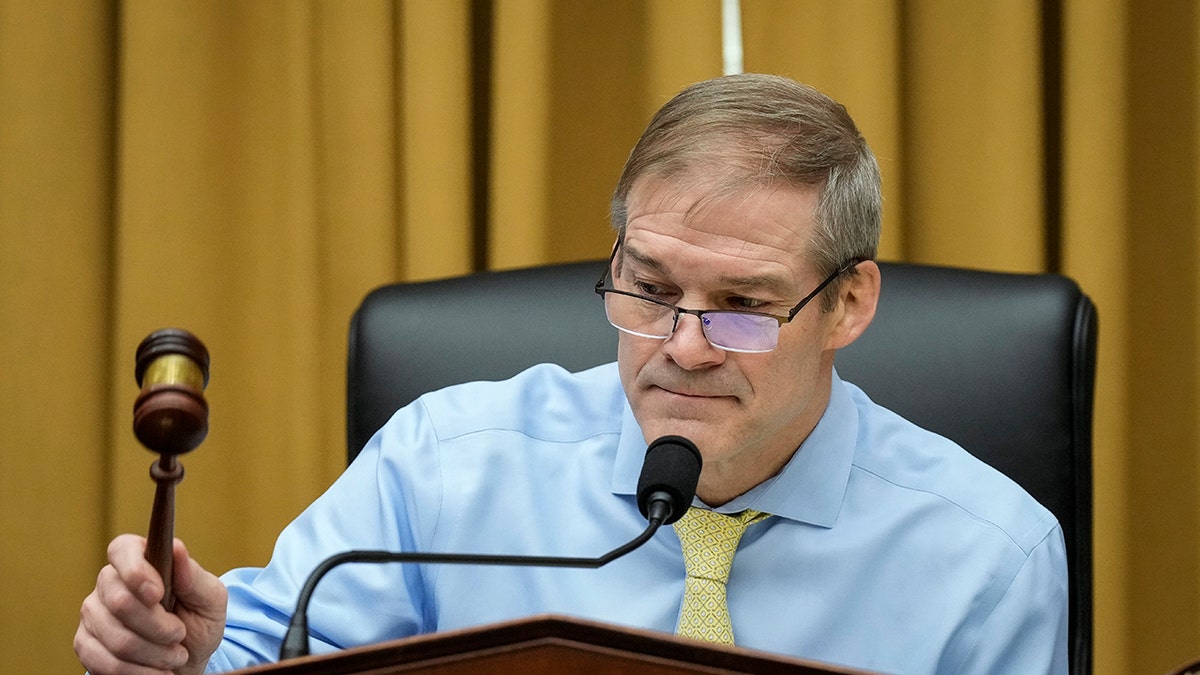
(689, 347)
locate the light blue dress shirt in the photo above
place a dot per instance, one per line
(891, 549)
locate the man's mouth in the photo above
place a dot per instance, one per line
(690, 393)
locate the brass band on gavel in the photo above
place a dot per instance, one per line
(170, 415)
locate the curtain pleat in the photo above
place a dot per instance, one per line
(434, 128)
(1163, 287)
(56, 169)
(249, 170)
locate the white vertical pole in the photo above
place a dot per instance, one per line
(731, 36)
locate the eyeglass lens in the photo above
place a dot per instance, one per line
(735, 331)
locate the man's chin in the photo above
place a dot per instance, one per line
(704, 434)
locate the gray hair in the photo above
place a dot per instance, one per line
(759, 130)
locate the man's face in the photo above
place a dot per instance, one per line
(747, 413)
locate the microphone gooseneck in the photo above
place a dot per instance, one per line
(666, 487)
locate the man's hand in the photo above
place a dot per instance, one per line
(124, 630)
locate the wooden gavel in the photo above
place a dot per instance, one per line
(170, 417)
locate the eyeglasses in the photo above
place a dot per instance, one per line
(734, 331)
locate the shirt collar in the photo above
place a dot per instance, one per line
(811, 486)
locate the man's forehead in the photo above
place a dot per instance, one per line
(692, 193)
(725, 214)
(686, 193)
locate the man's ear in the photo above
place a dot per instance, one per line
(856, 305)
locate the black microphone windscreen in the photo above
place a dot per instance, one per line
(672, 466)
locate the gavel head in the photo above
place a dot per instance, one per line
(170, 415)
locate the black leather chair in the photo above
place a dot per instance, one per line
(1003, 364)
(1189, 668)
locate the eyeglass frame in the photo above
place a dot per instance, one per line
(601, 290)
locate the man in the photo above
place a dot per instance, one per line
(748, 217)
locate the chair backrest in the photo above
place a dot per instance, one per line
(1003, 364)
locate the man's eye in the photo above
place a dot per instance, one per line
(652, 290)
(746, 303)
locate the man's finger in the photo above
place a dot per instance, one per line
(107, 643)
(196, 587)
(127, 555)
(113, 600)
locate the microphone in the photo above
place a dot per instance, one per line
(666, 487)
(669, 476)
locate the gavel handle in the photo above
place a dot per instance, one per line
(161, 537)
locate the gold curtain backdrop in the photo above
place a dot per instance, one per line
(250, 169)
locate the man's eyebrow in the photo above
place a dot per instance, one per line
(766, 282)
(640, 258)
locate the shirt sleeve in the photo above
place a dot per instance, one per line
(1026, 631)
(368, 507)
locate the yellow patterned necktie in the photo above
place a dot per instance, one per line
(709, 541)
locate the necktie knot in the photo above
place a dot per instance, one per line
(709, 540)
